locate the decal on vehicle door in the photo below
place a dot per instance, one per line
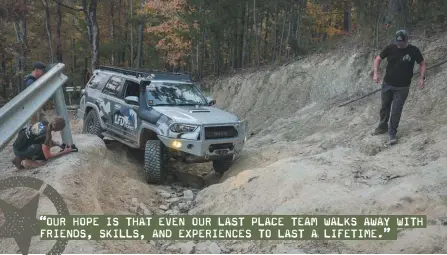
(126, 117)
(104, 109)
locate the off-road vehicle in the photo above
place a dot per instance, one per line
(164, 114)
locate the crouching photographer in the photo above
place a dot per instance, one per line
(32, 147)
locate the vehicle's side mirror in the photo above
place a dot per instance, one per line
(131, 100)
(211, 101)
(82, 91)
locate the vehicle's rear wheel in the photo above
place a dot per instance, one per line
(91, 124)
(222, 165)
(155, 162)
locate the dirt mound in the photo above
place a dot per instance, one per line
(90, 183)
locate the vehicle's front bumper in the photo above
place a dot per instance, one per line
(202, 149)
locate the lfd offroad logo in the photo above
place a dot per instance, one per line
(126, 117)
(22, 224)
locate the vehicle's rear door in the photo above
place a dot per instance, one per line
(111, 101)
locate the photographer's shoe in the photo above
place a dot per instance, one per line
(17, 162)
(73, 148)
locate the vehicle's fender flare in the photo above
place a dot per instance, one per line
(94, 108)
(141, 129)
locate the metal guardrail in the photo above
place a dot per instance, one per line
(16, 113)
(73, 89)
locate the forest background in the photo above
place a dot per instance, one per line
(203, 38)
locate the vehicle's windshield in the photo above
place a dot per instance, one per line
(171, 93)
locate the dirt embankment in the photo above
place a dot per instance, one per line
(307, 156)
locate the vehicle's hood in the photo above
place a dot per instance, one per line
(193, 115)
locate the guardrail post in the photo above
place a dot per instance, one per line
(61, 109)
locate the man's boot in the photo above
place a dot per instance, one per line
(379, 131)
(393, 140)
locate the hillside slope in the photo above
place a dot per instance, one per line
(309, 156)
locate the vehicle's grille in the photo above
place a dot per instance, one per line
(220, 132)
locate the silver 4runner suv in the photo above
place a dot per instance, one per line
(164, 114)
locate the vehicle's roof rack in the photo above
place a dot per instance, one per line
(146, 73)
(121, 70)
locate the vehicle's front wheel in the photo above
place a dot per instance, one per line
(222, 165)
(91, 124)
(155, 162)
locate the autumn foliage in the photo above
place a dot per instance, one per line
(172, 32)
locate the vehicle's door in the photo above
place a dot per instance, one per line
(111, 101)
(125, 115)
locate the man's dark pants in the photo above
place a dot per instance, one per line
(393, 100)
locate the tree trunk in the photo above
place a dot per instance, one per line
(93, 31)
(266, 37)
(275, 36)
(282, 34)
(5, 78)
(347, 17)
(58, 34)
(255, 26)
(397, 14)
(289, 31)
(73, 46)
(48, 29)
(131, 34)
(73, 55)
(246, 37)
(20, 28)
(126, 24)
(140, 44)
(112, 30)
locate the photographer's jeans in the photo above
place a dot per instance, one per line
(393, 101)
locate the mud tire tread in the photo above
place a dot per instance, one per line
(154, 162)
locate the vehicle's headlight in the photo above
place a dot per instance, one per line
(183, 128)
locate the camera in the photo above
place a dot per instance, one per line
(72, 146)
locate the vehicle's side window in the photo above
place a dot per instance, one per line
(114, 86)
(132, 89)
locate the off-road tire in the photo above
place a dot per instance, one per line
(155, 162)
(222, 165)
(92, 125)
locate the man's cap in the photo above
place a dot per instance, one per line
(39, 65)
(401, 36)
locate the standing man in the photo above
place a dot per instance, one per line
(39, 69)
(401, 57)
